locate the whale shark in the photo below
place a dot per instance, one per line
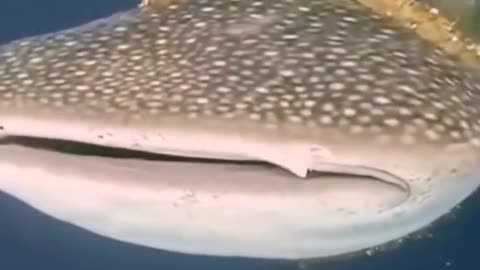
(267, 129)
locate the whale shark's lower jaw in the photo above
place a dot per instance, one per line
(248, 210)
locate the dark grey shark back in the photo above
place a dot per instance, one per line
(311, 65)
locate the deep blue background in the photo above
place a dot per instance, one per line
(30, 240)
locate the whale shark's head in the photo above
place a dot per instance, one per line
(277, 129)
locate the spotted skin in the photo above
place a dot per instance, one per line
(302, 65)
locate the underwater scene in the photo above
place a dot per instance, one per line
(239, 134)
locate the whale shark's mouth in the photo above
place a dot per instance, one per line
(207, 206)
(381, 189)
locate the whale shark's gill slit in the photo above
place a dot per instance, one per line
(329, 171)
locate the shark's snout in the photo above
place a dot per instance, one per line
(369, 108)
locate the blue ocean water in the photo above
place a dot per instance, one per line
(31, 240)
